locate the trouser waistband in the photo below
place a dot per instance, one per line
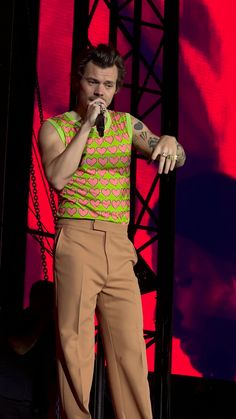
(93, 225)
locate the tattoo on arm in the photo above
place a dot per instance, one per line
(138, 126)
(141, 141)
(144, 136)
(180, 151)
(181, 155)
(153, 141)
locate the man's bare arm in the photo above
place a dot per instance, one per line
(60, 163)
(165, 148)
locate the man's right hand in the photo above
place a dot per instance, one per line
(93, 110)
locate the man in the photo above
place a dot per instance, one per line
(93, 257)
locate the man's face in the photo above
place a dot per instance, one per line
(95, 83)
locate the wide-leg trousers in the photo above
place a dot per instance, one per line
(94, 273)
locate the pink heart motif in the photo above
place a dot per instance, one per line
(90, 150)
(112, 172)
(116, 192)
(114, 160)
(101, 150)
(82, 181)
(91, 171)
(93, 214)
(112, 149)
(82, 212)
(104, 181)
(123, 204)
(70, 192)
(114, 181)
(102, 161)
(83, 201)
(62, 211)
(106, 192)
(105, 214)
(91, 162)
(121, 125)
(99, 140)
(95, 192)
(101, 172)
(71, 211)
(81, 192)
(124, 159)
(106, 203)
(123, 147)
(109, 139)
(93, 181)
(115, 204)
(95, 203)
(118, 137)
(67, 129)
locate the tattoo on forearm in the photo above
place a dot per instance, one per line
(181, 154)
(138, 126)
(144, 136)
(153, 141)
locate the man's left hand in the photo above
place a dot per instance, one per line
(166, 152)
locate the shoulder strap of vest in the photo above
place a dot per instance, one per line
(129, 124)
(55, 121)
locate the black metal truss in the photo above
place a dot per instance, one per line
(127, 18)
(18, 76)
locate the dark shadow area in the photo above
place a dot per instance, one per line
(191, 398)
(205, 274)
(28, 386)
(199, 398)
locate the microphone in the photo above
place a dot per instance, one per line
(100, 123)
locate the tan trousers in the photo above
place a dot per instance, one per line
(94, 271)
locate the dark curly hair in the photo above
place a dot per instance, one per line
(103, 56)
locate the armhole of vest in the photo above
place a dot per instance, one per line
(59, 130)
(129, 125)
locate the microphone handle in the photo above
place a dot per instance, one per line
(100, 124)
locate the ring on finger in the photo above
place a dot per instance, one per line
(172, 157)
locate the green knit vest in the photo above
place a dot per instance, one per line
(100, 187)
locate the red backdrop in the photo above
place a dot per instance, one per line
(207, 88)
